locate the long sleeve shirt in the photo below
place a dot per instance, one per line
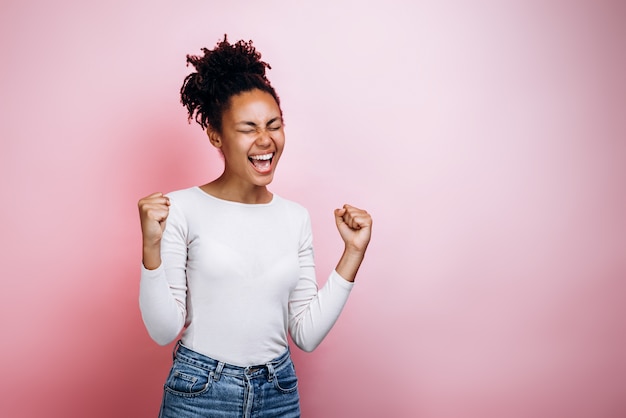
(235, 278)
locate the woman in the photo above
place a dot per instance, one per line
(231, 264)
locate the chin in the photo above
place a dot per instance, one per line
(265, 182)
(262, 179)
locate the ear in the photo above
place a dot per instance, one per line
(214, 137)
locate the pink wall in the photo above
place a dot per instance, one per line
(488, 141)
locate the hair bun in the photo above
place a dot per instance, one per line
(222, 72)
(227, 61)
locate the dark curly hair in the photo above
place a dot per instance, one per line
(221, 73)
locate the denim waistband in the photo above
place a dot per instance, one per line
(190, 356)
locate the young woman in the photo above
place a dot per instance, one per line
(231, 264)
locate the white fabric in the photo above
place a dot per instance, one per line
(236, 277)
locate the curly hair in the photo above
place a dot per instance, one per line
(221, 73)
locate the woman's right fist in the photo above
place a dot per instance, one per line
(153, 211)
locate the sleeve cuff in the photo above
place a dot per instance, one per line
(338, 279)
(152, 274)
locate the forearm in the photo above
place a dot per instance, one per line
(151, 256)
(349, 264)
(162, 313)
(313, 312)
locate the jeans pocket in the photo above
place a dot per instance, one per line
(187, 380)
(285, 379)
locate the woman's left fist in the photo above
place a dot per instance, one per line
(355, 227)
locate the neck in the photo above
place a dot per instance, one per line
(225, 190)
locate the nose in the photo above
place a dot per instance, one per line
(264, 139)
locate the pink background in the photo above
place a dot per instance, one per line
(487, 138)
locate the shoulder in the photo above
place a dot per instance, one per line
(185, 203)
(298, 220)
(290, 206)
(185, 198)
(182, 194)
(293, 213)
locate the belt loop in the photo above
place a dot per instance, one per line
(270, 371)
(175, 350)
(218, 370)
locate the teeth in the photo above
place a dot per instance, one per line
(262, 157)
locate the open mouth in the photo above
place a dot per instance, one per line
(262, 163)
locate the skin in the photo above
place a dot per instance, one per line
(252, 125)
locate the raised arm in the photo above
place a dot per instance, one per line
(163, 288)
(313, 312)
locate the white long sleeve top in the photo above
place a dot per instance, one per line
(237, 277)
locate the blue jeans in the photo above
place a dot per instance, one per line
(199, 386)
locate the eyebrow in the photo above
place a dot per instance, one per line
(249, 123)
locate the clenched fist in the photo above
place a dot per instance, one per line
(153, 212)
(355, 228)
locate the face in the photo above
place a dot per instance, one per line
(252, 138)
